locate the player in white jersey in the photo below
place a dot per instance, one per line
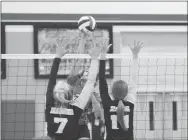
(77, 79)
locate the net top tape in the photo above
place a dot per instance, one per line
(84, 56)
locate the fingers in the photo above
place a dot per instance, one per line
(65, 41)
(142, 45)
(130, 46)
(104, 46)
(62, 42)
(138, 43)
(57, 43)
(108, 47)
(66, 51)
(94, 43)
(105, 42)
(94, 51)
(134, 42)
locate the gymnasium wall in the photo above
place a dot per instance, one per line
(21, 86)
(21, 89)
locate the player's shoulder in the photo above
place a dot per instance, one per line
(76, 109)
(131, 98)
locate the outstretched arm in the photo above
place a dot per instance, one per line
(134, 71)
(131, 97)
(103, 87)
(61, 51)
(78, 62)
(74, 75)
(85, 95)
(52, 81)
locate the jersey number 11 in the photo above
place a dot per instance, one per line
(115, 121)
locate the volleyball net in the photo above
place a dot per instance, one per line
(161, 108)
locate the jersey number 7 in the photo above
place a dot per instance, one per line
(63, 122)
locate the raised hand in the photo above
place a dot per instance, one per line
(136, 48)
(85, 36)
(82, 43)
(95, 52)
(104, 48)
(62, 48)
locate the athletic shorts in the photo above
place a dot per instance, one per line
(84, 131)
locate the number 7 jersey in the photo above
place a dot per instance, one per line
(60, 120)
(63, 122)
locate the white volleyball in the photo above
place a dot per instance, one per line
(87, 24)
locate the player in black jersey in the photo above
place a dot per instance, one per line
(119, 104)
(62, 123)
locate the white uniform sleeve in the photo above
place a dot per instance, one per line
(85, 95)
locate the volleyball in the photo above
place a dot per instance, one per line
(87, 24)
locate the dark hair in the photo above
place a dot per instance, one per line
(78, 82)
(72, 80)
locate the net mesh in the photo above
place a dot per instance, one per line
(161, 107)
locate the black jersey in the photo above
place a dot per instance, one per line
(57, 117)
(63, 122)
(113, 128)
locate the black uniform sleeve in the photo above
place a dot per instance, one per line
(103, 87)
(52, 82)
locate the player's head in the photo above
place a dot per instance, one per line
(72, 80)
(77, 82)
(119, 92)
(79, 85)
(119, 89)
(62, 92)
